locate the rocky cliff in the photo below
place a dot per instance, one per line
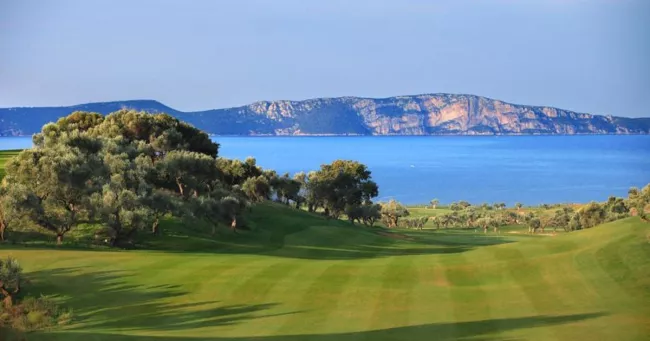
(431, 114)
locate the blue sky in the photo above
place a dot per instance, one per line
(583, 55)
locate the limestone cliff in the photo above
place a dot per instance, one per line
(430, 114)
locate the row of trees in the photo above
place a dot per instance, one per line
(565, 217)
(125, 171)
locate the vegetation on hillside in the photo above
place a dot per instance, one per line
(123, 173)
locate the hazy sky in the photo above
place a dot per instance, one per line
(584, 55)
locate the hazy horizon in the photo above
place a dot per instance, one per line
(581, 56)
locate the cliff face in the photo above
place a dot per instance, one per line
(433, 114)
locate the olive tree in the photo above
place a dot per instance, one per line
(639, 199)
(391, 212)
(11, 197)
(588, 216)
(59, 181)
(189, 173)
(257, 189)
(11, 278)
(338, 185)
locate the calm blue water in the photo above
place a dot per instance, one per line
(528, 169)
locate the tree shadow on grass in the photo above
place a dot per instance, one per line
(103, 300)
(482, 330)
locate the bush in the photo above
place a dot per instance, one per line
(34, 314)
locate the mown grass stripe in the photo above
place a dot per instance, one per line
(392, 306)
(508, 296)
(469, 301)
(318, 301)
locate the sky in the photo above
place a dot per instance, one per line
(583, 55)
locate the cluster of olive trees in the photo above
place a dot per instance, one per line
(123, 172)
(413, 223)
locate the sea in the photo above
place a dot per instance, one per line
(532, 170)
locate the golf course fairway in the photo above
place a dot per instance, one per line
(301, 277)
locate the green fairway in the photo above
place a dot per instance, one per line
(300, 277)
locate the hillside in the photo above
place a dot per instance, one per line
(300, 277)
(431, 114)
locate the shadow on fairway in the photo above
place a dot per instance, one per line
(483, 330)
(103, 300)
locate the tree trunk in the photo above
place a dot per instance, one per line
(233, 225)
(3, 227)
(154, 227)
(180, 186)
(8, 300)
(59, 238)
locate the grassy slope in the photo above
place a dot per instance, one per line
(304, 278)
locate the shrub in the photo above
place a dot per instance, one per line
(34, 314)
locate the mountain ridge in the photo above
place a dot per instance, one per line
(423, 114)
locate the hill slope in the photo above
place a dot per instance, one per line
(429, 114)
(305, 278)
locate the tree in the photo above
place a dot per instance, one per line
(509, 217)
(562, 218)
(338, 185)
(59, 180)
(434, 203)
(464, 204)
(545, 221)
(206, 208)
(370, 213)
(534, 224)
(190, 173)
(78, 121)
(499, 205)
(436, 221)
(11, 196)
(640, 200)
(301, 178)
(231, 208)
(518, 206)
(471, 216)
(589, 215)
(161, 133)
(11, 278)
(391, 212)
(234, 172)
(257, 189)
(486, 222)
(286, 189)
(123, 204)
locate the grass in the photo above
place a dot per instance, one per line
(300, 277)
(5, 155)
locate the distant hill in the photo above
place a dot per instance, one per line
(429, 114)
